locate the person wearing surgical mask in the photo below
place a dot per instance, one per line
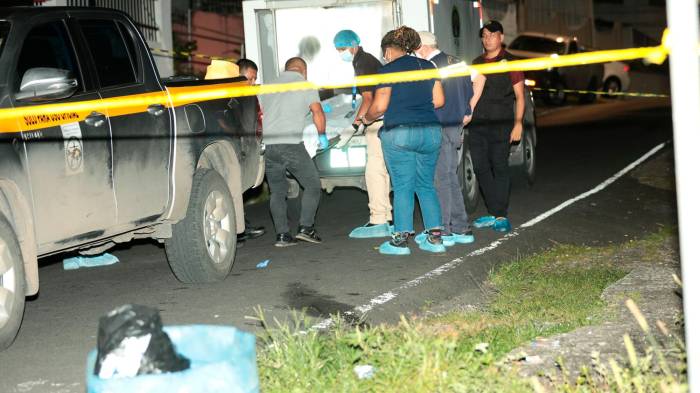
(380, 224)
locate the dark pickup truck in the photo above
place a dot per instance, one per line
(95, 149)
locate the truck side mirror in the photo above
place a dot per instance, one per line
(44, 84)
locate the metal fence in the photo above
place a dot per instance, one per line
(143, 12)
(225, 7)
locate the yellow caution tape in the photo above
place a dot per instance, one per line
(41, 116)
(602, 93)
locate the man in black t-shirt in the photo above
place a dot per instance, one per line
(497, 122)
(347, 42)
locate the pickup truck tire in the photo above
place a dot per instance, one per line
(203, 244)
(12, 285)
(467, 179)
(528, 167)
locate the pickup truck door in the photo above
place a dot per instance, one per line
(142, 137)
(68, 159)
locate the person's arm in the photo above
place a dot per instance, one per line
(468, 108)
(380, 103)
(517, 133)
(319, 117)
(367, 98)
(438, 95)
(478, 82)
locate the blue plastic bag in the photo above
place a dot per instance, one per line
(222, 360)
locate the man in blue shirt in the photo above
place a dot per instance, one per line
(453, 116)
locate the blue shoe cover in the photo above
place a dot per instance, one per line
(89, 261)
(502, 225)
(430, 247)
(365, 232)
(388, 249)
(447, 241)
(485, 221)
(458, 238)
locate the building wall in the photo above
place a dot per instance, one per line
(214, 34)
(636, 22)
(570, 18)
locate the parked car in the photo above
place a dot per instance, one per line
(96, 150)
(587, 77)
(616, 78)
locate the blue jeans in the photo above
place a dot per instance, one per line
(411, 153)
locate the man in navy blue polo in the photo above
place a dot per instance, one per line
(453, 116)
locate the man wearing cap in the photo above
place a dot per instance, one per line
(347, 42)
(453, 116)
(497, 122)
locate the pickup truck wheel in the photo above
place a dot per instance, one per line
(11, 285)
(467, 180)
(203, 245)
(529, 164)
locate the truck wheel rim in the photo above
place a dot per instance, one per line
(217, 227)
(8, 286)
(469, 178)
(529, 155)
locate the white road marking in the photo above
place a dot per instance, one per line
(592, 191)
(388, 296)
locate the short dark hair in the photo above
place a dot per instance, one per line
(295, 63)
(246, 64)
(404, 38)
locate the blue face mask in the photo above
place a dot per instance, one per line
(346, 55)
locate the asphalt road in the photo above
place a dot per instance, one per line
(60, 325)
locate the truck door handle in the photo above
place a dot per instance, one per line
(156, 109)
(95, 119)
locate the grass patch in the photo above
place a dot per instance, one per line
(553, 292)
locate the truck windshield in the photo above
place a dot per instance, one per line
(4, 29)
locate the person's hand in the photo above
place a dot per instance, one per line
(517, 133)
(466, 120)
(322, 141)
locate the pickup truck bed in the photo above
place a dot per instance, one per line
(95, 150)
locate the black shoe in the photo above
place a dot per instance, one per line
(240, 240)
(253, 232)
(308, 234)
(285, 240)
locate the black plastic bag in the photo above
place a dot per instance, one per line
(131, 342)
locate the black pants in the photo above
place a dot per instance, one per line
(293, 158)
(489, 145)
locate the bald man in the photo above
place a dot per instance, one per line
(283, 127)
